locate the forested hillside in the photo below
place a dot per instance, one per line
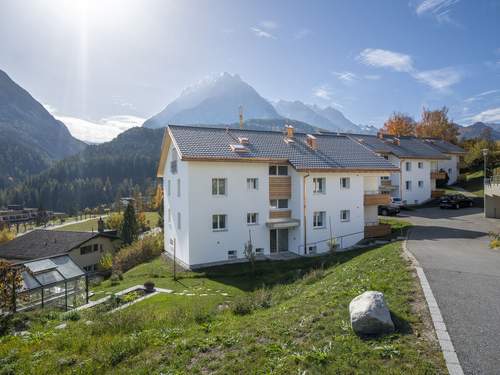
(97, 175)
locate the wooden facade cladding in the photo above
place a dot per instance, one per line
(437, 193)
(377, 199)
(280, 187)
(379, 230)
(436, 175)
(281, 214)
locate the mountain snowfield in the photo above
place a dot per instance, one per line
(216, 100)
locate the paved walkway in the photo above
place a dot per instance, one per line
(464, 275)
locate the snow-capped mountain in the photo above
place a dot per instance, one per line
(214, 101)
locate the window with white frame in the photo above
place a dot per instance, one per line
(420, 165)
(252, 218)
(218, 186)
(345, 215)
(408, 166)
(319, 185)
(449, 171)
(252, 183)
(408, 185)
(219, 222)
(345, 182)
(168, 188)
(232, 254)
(420, 184)
(319, 218)
(278, 170)
(178, 187)
(278, 203)
(178, 220)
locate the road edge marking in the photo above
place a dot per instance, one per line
(447, 348)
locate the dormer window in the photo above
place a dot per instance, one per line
(243, 140)
(239, 148)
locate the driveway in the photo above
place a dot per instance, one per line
(464, 275)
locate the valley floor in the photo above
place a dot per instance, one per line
(285, 318)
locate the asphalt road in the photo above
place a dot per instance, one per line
(464, 275)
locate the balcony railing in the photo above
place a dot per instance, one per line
(173, 166)
(438, 175)
(437, 193)
(376, 197)
(373, 230)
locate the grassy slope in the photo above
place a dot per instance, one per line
(306, 326)
(90, 225)
(474, 183)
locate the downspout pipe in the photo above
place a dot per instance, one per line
(304, 198)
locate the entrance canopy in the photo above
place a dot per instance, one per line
(282, 223)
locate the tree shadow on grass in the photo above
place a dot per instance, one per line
(269, 273)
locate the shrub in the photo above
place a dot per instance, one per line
(138, 252)
(314, 275)
(114, 279)
(494, 240)
(261, 298)
(72, 315)
(106, 262)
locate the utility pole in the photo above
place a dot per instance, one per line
(485, 156)
(175, 245)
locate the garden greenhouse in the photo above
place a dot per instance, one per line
(52, 282)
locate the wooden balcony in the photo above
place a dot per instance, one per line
(280, 187)
(376, 198)
(437, 175)
(437, 193)
(377, 230)
(280, 214)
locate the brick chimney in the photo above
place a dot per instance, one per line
(289, 131)
(100, 225)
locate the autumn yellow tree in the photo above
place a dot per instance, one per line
(436, 124)
(399, 125)
(6, 235)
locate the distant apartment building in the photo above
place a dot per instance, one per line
(286, 191)
(492, 197)
(422, 163)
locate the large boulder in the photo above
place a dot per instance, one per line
(370, 314)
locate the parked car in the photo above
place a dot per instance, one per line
(397, 202)
(388, 210)
(455, 201)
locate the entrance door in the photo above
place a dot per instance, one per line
(279, 240)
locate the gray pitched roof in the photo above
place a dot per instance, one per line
(337, 152)
(409, 147)
(444, 146)
(44, 243)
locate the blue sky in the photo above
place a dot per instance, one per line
(118, 61)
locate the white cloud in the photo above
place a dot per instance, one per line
(440, 9)
(268, 24)
(262, 33)
(372, 77)
(439, 79)
(103, 131)
(490, 115)
(323, 92)
(346, 77)
(481, 95)
(302, 33)
(386, 59)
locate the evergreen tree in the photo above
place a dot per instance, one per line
(130, 227)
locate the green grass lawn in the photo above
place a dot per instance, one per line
(474, 183)
(286, 318)
(87, 226)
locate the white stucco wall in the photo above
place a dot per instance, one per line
(94, 257)
(417, 194)
(177, 204)
(207, 245)
(198, 243)
(451, 167)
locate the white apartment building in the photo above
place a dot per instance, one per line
(422, 163)
(285, 191)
